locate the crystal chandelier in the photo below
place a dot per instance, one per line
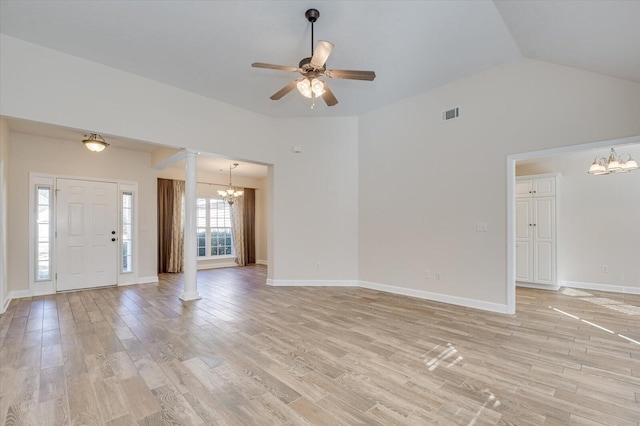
(614, 164)
(230, 195)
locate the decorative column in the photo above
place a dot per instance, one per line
(190, 231)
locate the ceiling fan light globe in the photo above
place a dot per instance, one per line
(317, 86)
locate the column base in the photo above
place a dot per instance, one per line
(186, 297)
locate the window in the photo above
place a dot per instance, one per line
(127, 232)
(214, 228)
(44, 213)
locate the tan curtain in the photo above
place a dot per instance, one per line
(249, 219)
(170, 225)
(237, 229)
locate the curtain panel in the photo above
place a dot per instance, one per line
(170, 225)
(243, 219)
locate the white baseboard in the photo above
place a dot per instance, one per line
(147, 280)
(5, 305)
(17, 294)
(601, 287)
(261, 262)
(538, 286)
(217, 265)
(312, 283)
(437, 297)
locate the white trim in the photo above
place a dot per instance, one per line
(5, 305)
(437, 297)
(511, 199)
(261, 262)
(538, 286)
(312, 283)
(148, 280)
(601, 287)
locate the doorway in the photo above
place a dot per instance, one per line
(87, 234)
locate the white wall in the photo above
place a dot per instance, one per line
(598, 221)
(424, 183)
(222, 180)
(316, 200)
(44, 85)
(39, 154)
(4, 186)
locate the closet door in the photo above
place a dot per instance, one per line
(544, 240)
(524, 239)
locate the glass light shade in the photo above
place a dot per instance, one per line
(230, 191)
(95, 146)
(317, 86)
(629, 165)
(94, 142)
(614, 166)
(222, 193)
(304, 87)
(597, 167)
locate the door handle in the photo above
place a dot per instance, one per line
(113, 239)
(113, 232)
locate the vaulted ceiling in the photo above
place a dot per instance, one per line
(207, 47)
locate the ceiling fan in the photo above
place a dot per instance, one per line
(314, 67)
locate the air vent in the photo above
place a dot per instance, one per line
(450, 114)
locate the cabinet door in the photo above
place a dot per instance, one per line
(544, 187)
(524, 239)
(544, 256)
(524, 188)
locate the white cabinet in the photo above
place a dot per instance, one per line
(536, 230)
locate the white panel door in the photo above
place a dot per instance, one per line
(86, 226)
(524, 239)
(544, 240)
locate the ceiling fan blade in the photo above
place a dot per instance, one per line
(322, 52)
(328, 96)
(274, 67)
(286, 89)
(351, 74)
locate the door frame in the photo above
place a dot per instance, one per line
(37, 288)
(511, 199)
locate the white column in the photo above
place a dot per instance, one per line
(190, 231)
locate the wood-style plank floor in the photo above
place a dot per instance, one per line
(251, 354)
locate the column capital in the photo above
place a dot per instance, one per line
(190, 153)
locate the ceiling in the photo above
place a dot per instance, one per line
(207, 47)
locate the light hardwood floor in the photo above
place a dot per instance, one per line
(252, 354)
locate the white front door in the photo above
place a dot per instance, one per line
(87, 237)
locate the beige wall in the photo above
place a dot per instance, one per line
(4, 186)
(39, 154)
(598, 219)
(425, 183)
(222, 180)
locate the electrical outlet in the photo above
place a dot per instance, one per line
(438, 276)
(427, 275)
(605, 269)
(481, 227)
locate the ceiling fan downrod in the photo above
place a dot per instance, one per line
(312, 16)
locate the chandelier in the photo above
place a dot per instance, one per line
(230, 195)
(94, 142)
(614, 164)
